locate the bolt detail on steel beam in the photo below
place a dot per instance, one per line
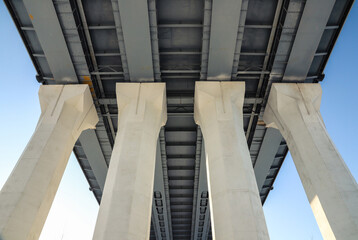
(235, 206)
(26, 198)
(126, 205)
(329, 185)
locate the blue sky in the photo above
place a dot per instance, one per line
(73, 214)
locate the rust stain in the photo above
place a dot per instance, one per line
(87, 80)
(261, 123)
(32, 17)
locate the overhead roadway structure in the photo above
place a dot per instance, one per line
(102, 42)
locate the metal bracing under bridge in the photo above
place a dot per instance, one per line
(102, 42)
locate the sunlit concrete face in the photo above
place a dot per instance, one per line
(330, 187)
(235, 206)
(26, 198)
(126, 205)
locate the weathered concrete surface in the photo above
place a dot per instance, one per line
(126, 205)
(235, 206)
(28, 193)
(329, 185)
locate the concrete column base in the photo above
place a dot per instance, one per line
(26, 198)
(329, 185)
(126, 205)
(235, 206)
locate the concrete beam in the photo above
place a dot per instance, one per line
(94, 154)
(136, 33)
(202, 216)
(159, 212)
(266, 156)
(307, 38)
(49, 33)
(180, 100)
(223, 35)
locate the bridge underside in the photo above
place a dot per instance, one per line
(179, 42)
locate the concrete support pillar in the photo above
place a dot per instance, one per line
(27, 195)
(126, 205)
(330, 187)
(235, 206)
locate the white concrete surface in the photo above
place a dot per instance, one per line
(329, 185)
(125, 210)
(235, 206)
(26, 197)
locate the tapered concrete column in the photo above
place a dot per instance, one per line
(26, 197)
(126, 204)
(235, 206)
(330, 187)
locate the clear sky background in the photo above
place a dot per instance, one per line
(74, 211)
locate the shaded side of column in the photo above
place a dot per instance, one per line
(126, 205)
(28, 193)
(235, 206)
(329, 185)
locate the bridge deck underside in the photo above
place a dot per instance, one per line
(265, 39)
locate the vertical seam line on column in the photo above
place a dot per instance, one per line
(303, 99)
(138, 98)
(222, 97)
(53, 110)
